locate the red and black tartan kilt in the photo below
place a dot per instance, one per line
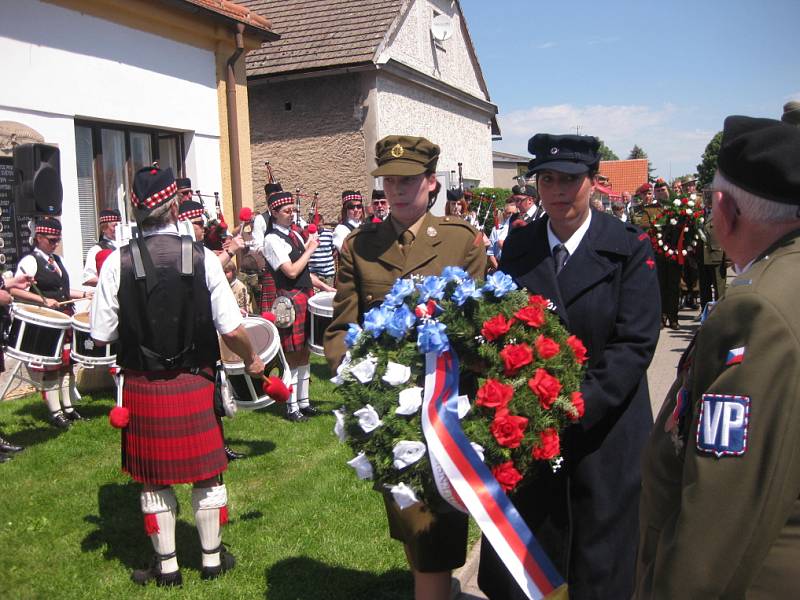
(173, 435)
(268, 291)
(293, 338)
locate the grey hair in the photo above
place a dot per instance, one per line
(158, 217)
(755, 207)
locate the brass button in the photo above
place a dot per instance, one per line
(369, 297)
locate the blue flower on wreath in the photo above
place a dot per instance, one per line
(353, 331)
(431, 337)
(456, 274)
(499, 283)
(466, 290)
(376, 319)
(401, 289)
(401, 322)
(431, 287)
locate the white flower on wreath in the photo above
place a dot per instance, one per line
(338, 427)
(364, 371)
(410, 399)
(362, 466)
(676, 202)
(478, 450)
(463, 406)
(338, 379)
(396, 374)
(407, 452)
(403, 495)
(673, 221)
(691, 203)
(368, 418)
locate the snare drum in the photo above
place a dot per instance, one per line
(247, 391)
(37, 334)
(321, 308)
(84, 350)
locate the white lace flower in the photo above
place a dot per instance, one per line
(410, 399)
(338, 427)
(406, 453)
(364, 371)
(338, 379)
(396, 374)
(368, 418)
(362, 466)
(403, 495)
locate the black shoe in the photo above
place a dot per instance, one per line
(153, 573)
(673, 324)
(226, 562)
(57, 419)
(309, 411)
(232, 454)
(4, 457)
(296, 416)
(73, 415)
(6, 446)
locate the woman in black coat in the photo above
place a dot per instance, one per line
(600, 274)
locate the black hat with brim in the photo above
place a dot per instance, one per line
(571, 154)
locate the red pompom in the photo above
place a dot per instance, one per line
(154, 172)
(119, 417)
(376, 220)
(276, 389)
(246, 214)
(312, 228)
(268, 316)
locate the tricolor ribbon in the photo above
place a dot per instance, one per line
(473, 485)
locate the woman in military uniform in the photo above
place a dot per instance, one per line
(411, 241)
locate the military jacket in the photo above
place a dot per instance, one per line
(719, 512)
(645, 216)
(372, 259)
(713, 254)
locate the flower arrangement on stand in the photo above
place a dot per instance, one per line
(678, 228)
(520, 374)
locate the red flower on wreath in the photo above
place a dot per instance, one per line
(546, 347)
(515, 357)
(546, 387)
(507, 476)
(578, 349)
(549, 446)
(508, 429)
(493, 394)
(496, 327)
(576, 398)
(537, 300)
(531, 315)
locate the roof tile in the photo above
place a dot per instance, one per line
(624, 175)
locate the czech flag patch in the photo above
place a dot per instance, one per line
(723, 424)
(735, 356)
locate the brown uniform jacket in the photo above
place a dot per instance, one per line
(713, 254)
(372, 259)
(728, 525)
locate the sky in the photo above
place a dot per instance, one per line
(662, 75)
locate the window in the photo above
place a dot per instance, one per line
(108, 155)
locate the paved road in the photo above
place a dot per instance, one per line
(659, 378)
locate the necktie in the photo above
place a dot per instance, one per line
(53, 266)
(560, 256)
(406, 239)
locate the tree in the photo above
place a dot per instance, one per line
(708, 162)
(636, 152)
(606, 153)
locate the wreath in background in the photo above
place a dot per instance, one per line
(523, 367)
(678, 229)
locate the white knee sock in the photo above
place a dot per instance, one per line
(303, 375)
(292, 406)
(207, 504)
(50, 398)
(160, 508)
(67, 381)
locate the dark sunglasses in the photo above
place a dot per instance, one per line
(53, 240)
(355, 206)
(380, 202)
(186, 192)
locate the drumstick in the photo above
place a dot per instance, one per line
(66, 302)
(34, 287)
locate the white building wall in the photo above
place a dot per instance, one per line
(61, 65)
(448, 61)
(462, 132)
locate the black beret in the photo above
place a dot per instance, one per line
(573, 154)
(183, 183)
(378, 195)
(455, 194)
(762, 156)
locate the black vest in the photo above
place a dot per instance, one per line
(282, 282)
(106, 244)
(49, 281)
(173, 323)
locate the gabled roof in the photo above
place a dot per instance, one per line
(624, 175)
(319, 34)
(235, 11)
(498, 156)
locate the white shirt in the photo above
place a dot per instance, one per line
(498, 235)
(276, 249)
(342, 231)
(90, 268)
(260, 230)
(28, 265)
(105, 305)
(575, 239)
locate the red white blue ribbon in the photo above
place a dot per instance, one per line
(474, 485)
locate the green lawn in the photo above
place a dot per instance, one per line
(302, 526)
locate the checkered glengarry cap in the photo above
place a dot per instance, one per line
(279, 199)
(110, 215)
(190, 210)
(152, 187)
(350, 196)
(48, 226)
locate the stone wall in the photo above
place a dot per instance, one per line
(311, 132)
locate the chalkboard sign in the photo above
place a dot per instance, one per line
(15, 231)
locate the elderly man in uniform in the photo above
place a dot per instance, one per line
(528, 205)
(720, 505)
(165, 298)
(380, 206)
(713, 269)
